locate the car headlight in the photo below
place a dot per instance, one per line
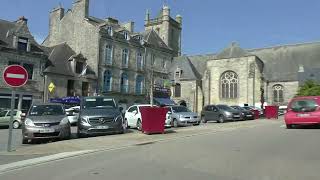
(119, 118)
(64, 121)
(228, 113)
(28, 122)
(84, 121)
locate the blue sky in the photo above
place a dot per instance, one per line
(208, 25)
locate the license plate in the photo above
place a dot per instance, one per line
(46, 130)
(102, 127)
(249, 115)
(303, 115)
(236, 116)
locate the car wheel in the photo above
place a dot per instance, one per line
(25, 141)
(221, 119)
(175, 123)
(15, 124)
(203, 120)
(139, 125)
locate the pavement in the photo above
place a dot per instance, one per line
(248, 150)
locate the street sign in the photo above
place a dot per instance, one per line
(51, 87)
(15, 76)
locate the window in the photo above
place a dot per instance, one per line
(153, 57)
(124, 83)
(134, 108)
(178, 73)
(139, 84)
(107, 81)
(277, 93)
(126, 35)
(109, 53)
(79, 67)
(29, 68)
(163, 63)
(177, 90)
(109, 30)
(125, 57)
(70, 90)
(139, 60)
(22, 44)
(229, 85)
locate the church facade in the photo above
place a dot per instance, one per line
(237, 76)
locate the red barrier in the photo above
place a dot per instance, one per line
(256, 114)
(271, 112)
(153, 119)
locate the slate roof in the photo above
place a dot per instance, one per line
(152, 38)
(233, 51)
(189, 72)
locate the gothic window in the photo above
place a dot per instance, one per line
(124, 83)
(109, 53)
(277, 93)
(229, 85)
(125, 57)
(177, 90)
(139, 60)
(139, 84)
(107, 81)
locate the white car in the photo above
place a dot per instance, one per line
(133, 116)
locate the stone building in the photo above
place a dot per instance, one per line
(17, 46)
(236, 76)
(123, 61)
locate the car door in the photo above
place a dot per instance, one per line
(130, 116)
(215, 113)
(3, 118)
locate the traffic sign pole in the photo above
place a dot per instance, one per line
(13, 96)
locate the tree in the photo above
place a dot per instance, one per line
(309, 88)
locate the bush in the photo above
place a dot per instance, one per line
(309, 88)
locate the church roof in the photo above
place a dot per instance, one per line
(233, 51)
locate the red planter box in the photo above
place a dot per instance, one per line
(153, 119)
(271, 112)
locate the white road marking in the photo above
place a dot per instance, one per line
(17, 76)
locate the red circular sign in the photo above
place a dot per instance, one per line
(15, 76)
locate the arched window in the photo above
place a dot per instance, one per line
(107, 81)
(139, 60)
(177, 90)
(277, 93)
(139, 84)
(229, 85)
(109, 53)
(124, 83)
(125, 57)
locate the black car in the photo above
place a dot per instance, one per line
(99, 115)
(247, 115)
(220, 113)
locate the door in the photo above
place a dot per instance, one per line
(130, 116)
(215, 113)
(209, 114)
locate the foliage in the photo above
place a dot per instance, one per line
(309, 88)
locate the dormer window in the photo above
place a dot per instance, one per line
(109, 30)
(79, 67)
(126, 35)
(178, 73)
(22, 44)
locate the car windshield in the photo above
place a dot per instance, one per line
(224, 107)
(180, 109)
(44, 110)
(304, 105)
(3, 113)
(98, 102)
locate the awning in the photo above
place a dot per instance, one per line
(66, 100)
(164, 101)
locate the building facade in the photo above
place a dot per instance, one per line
(17, 46)
(236, 76)
(124, 62)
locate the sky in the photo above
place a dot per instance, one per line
(209, 26)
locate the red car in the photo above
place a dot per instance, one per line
(303, 111)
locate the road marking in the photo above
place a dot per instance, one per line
(16, 76)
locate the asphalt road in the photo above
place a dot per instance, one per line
(268, 152)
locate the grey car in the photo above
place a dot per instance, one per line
(45, 121)
(181, 116)
(220, 113)
(99, 115)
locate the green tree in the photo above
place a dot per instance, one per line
(309, 88)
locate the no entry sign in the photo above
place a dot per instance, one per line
(15, 76)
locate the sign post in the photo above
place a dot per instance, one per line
(14, 76)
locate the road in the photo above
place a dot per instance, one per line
(268, 152)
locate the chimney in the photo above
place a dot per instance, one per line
(22, 19)
(129, 26)
(81, 8)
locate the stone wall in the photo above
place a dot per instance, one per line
(289, 91)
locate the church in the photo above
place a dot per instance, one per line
(237, 76)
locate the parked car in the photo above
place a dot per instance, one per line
(99, 115)
(45, 121)
(220, 113)
(73, 114)
(303, 111)
(282, 110)
(252, 108)
(181, 116)
(247, 114)
(5, 118)
(133, 116)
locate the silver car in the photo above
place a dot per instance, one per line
(181, 116)
(45, 121)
